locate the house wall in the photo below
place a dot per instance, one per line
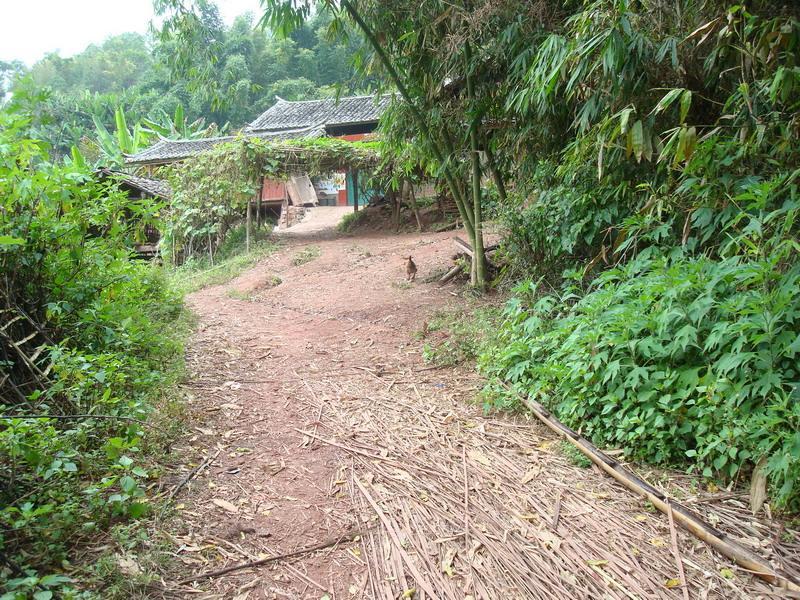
(273, 191)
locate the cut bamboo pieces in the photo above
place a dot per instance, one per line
(682, 515)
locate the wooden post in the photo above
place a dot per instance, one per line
(258, 212)
(248, 224)
(355, 190)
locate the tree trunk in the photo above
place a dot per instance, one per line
(498, 178)
(408, 193)
(439, 154)
(478, 253)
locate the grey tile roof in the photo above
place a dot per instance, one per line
(165, 151)
(154, 187)
(307, 113)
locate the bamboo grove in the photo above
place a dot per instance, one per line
(641, 158)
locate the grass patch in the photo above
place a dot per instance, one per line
(231, 261)
(306, 255)
(237, 295)
(460, 336)
(360, 251)
(350, 220)
(575, 456)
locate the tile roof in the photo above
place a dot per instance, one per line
(165, 151)
(328, 112)
(154, 187)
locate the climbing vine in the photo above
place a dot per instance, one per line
(211, 190)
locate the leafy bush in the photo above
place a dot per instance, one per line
(351, 220)
(73, 442)
(671, 357)
(231, 260)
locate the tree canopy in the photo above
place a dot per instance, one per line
(249, 68)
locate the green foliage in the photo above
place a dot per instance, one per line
(575, 456)
(461, 337)
(212, 189)
(350, 221)
(229, 262)
(244, 66)
(306, 255)
(65, 243)
(670, 357)
(658, 159)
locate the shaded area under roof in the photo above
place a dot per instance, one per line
(154, 187)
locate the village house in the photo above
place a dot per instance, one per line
(350, 118)
(136, 187)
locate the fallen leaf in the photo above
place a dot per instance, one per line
(672, 583)
(596, 563)
(128, 566)
(479, 457)
(409, 593)
(224, 504)
(551, 541)
(530, 475)
(657, 542)
(447, 562)
(640, 518)
(758, 486)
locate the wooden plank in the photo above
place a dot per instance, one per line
(466, 247)
(450, 274)
(463, 246)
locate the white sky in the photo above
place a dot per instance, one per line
(29, 29)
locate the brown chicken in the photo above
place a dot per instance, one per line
(411, 269)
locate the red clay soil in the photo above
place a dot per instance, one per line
(312, 352)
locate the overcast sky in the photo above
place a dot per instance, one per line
(29, 29)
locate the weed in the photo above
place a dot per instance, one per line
(350, 220)
(195, 275)
(239, 295)
(575, 456)
(306, 255)
(464, 337)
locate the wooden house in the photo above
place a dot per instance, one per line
(137, 188)
(351, 118)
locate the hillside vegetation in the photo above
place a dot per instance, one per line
(645, 170)
(246, 68)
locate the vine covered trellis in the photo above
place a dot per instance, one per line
(212, 190)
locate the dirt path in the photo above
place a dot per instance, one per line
(326, 420)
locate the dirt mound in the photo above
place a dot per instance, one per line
(380, 219)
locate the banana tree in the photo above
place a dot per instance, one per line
(114, 146)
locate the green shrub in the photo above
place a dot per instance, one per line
(230, 261)
(672, 358)
(74, 447)
(306, 255)
(351, 220)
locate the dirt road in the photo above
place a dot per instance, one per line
(310, 391)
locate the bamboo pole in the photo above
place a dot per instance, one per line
(682, 515)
